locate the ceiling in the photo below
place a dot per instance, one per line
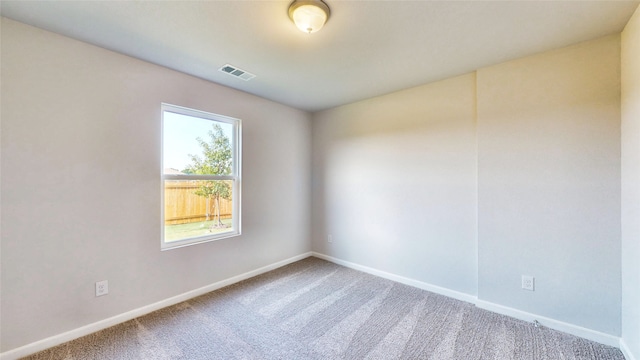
(366, 49)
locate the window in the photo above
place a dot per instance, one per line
(201, 176)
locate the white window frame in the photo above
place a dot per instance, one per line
(235, 177)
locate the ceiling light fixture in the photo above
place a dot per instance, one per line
(309, 15)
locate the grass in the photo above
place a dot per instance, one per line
(183, 231)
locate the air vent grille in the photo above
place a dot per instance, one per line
(236, 72)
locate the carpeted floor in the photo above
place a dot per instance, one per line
(314, 309)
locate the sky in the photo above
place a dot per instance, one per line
(179, 138)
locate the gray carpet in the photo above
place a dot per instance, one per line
(314, 309)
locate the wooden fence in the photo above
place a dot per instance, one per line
(182, 205)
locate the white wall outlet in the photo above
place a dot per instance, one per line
(528, 282)
(102, 288)
(329, 238)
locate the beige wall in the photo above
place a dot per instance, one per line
(394, 183)
(81, 184)
(549, 184)
(397, 185)
(631, 185)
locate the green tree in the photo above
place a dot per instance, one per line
(216, 159)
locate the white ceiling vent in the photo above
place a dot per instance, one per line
(236, 72)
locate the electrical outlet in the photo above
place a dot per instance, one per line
(329, 238)
(102, 288)
(528, 282)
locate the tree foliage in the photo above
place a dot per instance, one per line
(216, 159)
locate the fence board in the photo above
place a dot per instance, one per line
(182, 205)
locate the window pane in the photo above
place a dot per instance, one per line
(193, 145)
(206, 146)
(196, 208)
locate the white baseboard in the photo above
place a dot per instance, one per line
(572, 329)
(129, 315)
(401, 279)
(626, 351)
(518, 314)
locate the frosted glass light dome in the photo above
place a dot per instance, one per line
(309, 16)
